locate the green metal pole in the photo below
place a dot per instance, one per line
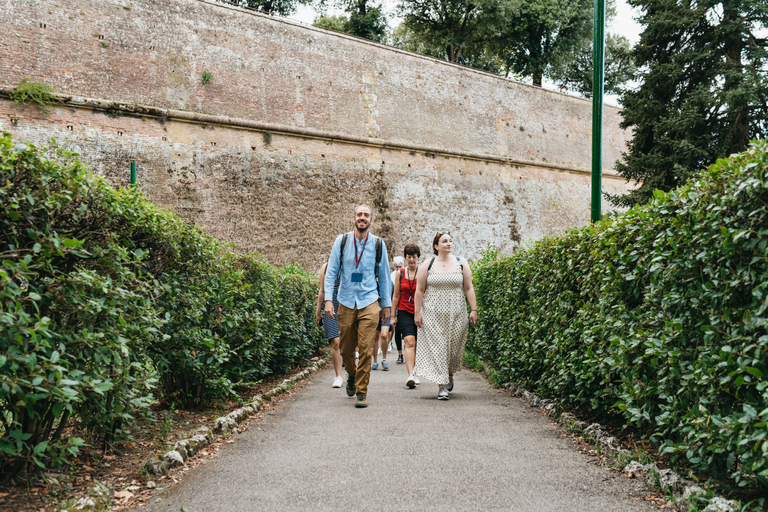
(133, 175)
(597, 109)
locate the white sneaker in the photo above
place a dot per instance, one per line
(337, 382)
(380, 352)
(416, 379)
(411, 382)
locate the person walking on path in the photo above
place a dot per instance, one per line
(398, 262)
(363, 283)
(330, 325)
(403, 299)
(385, 330)
(380, 345)
(440, 313)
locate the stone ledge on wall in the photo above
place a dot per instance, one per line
(126, 109)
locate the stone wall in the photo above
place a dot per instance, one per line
(298, 125)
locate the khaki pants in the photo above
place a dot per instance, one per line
(357, 330)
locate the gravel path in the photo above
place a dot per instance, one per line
(481, 450)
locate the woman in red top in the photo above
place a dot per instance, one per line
(402, 301)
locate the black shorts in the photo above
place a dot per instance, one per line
(405, 325)
(389, 322)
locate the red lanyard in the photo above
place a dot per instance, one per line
(358, 258)
(410, 281)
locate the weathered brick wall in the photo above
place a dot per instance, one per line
(429, 144)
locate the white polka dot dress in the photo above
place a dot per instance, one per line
(441, 341)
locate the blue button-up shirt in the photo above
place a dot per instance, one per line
(362, 294)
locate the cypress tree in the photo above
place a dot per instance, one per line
(703, 90)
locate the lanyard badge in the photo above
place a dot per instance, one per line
(357, 276)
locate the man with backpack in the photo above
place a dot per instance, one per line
(365, 292)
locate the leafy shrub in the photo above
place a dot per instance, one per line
(73, 309)
(34, 92)
(105, 297)
(657, 315)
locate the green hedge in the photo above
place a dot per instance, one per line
(657, 315)
(108, 303)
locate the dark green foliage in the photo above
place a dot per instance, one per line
(279, 7)
(575, 71)
(75, 309)
(337, 23)
(657, 315)
(474, 56)
(543, 34)
(104, 296)
(364, 20)
(459, 28)
(368, 23)
(703, 92)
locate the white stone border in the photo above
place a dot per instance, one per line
(681, 489)
(100, 496)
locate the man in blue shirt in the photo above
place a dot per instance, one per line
(359, 297)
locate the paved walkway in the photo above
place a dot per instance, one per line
(481, 450)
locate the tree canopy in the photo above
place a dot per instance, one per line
(365, 19)
(575, 73)
(544, 34)
(703, 90)
(457, 26)
(280, 7)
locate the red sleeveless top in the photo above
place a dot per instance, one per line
(407, 292)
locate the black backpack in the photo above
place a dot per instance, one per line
(344, 240)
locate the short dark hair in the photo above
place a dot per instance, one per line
(436, 240)
(412, 249)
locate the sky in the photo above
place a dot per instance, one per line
(624, 24)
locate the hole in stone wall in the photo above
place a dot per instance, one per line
(253, 148)
(42, 25)
(165, 138)
(213, 143)
(70, 127)
(262, 70)
(298, 77)
(14, 121)
(119, 134)
(151, 48)
(409, 165)
(382, 162)
(322, 156)
(101, 36)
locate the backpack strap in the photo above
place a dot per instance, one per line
(344, 239)
(431, 262)
(378, 263)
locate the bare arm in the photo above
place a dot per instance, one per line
(395, 299)
(321, 296)
(418, 297)
(469, 291)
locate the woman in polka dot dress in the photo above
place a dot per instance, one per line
(440, 313)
